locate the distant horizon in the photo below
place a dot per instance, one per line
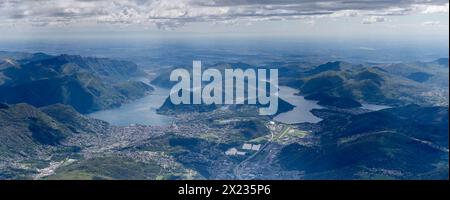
(372, 50)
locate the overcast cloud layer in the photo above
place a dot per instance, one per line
(175, 13)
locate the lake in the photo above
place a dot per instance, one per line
(141, 111)
(302, 110)
(373, 107)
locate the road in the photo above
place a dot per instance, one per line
(238, 169)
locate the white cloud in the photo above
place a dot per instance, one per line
(366, 48)
(310, 22)
(175, 13)
(431, 23)
(429, 9)
(373, 19)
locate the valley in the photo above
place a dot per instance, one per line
(336, 120)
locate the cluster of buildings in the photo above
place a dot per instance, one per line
(233, 151)
(253, 147)
(246, 146)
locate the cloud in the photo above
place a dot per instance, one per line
(373, 20)
(169, 14)
(429, 9)
(366, 48)
(431, 23)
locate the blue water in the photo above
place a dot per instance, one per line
(373, 107)
(302, 111)
(141, 111)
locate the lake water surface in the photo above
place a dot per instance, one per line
(373, 107)
(141, 111)
(302, 110)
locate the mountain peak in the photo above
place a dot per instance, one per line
(8, 62)
(329, 66)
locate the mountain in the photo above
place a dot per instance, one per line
(343, 84)
(358, 84)
(87, 84)
(408, 142)
(25, 129)
(14, 55)
(442, 61)
(419, 76)
(389, 84)
(108, 168)
(328, 100)
(346, 85)
(329, 66)
(73, 120)
(163, 80)
(7, 63)
(169, 108)
(31, 137)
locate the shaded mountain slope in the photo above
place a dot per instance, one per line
(87, 84)
(407, 142)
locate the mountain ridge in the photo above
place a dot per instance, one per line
(88, 84)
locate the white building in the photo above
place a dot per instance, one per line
(231, 152)
(253, 147)
(247, 146)
(256, 147)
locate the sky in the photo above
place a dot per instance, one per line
(350, 19)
